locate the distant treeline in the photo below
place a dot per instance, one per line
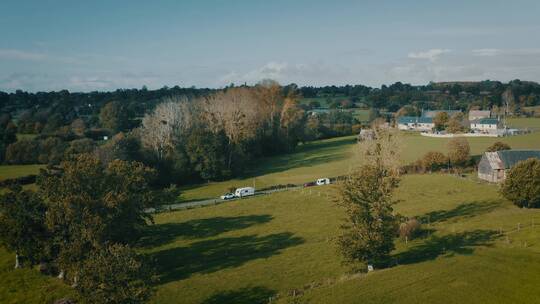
(191, 134)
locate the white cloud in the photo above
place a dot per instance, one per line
(12, 54)
(486, 52)
(431, 55)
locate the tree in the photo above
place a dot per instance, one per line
(498, 146)
(292, 122)
(522, 184)
(434, 161)
(368, 235)
(113, 116)
(115, 274)
(208, 154)
(22, 228)
(407, 110)
(90, 205)
(440, 120)
(458, 151)
(163, 128)
(455, 123)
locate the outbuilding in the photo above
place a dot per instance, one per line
(494, 165)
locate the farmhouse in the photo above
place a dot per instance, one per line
(415, 123)
(475, 115)
(485, 125)
(494, 165)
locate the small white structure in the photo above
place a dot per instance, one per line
(246, 191)
(323, 181)
(485, 125)
(476, 115)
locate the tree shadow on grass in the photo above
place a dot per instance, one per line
(308, 155)
(248, 295)
(214, 255)
(461, 243)
(160, 234)
(466, 210)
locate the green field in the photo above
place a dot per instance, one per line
(333, 157)
(14, 171)
(247, 251)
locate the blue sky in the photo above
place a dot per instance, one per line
(105, 45)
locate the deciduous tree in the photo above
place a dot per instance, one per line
(522, 184)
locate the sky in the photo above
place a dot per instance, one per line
(106, 45)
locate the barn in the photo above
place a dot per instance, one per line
(494, 165)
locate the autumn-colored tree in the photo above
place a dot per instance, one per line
(522, 184)
(292, 122)
(455, 123)
(434, 161)
(458, 151)
(498, 146)
(440, 120)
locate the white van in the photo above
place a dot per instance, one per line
(323, 181)
(246, 191)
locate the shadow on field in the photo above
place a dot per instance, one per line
(201, 228)
(213, 255)
(248, 295)
(461, 243)
(307, 155)
(462, 211)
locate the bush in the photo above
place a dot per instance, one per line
(434, 161)
(409, 229)
(522, 184)
(459, 151)
(498, 146)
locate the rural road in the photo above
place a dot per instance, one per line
(213, 201)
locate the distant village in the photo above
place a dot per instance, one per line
(477, 123)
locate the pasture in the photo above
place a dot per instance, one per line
(249, 250)
(14, 171)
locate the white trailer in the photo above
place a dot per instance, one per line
(323, 181)
(246, 191)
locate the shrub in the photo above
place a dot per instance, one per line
(498, 146)
(434, 161)
(409, 229)
(522, 184)
(458, 151)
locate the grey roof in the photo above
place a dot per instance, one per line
(486, 121)
(510, 157)
(414, 119)
(477, 113)
(434, 112)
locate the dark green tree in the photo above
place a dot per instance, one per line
(522, 184)
(115, 274)
(90, 205)
(22, 227)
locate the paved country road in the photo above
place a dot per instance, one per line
(213, 201)
(216, 201)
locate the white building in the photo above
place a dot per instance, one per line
(414, 123)
(485, 125)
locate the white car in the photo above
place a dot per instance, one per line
(228, 196)
(323, 181)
